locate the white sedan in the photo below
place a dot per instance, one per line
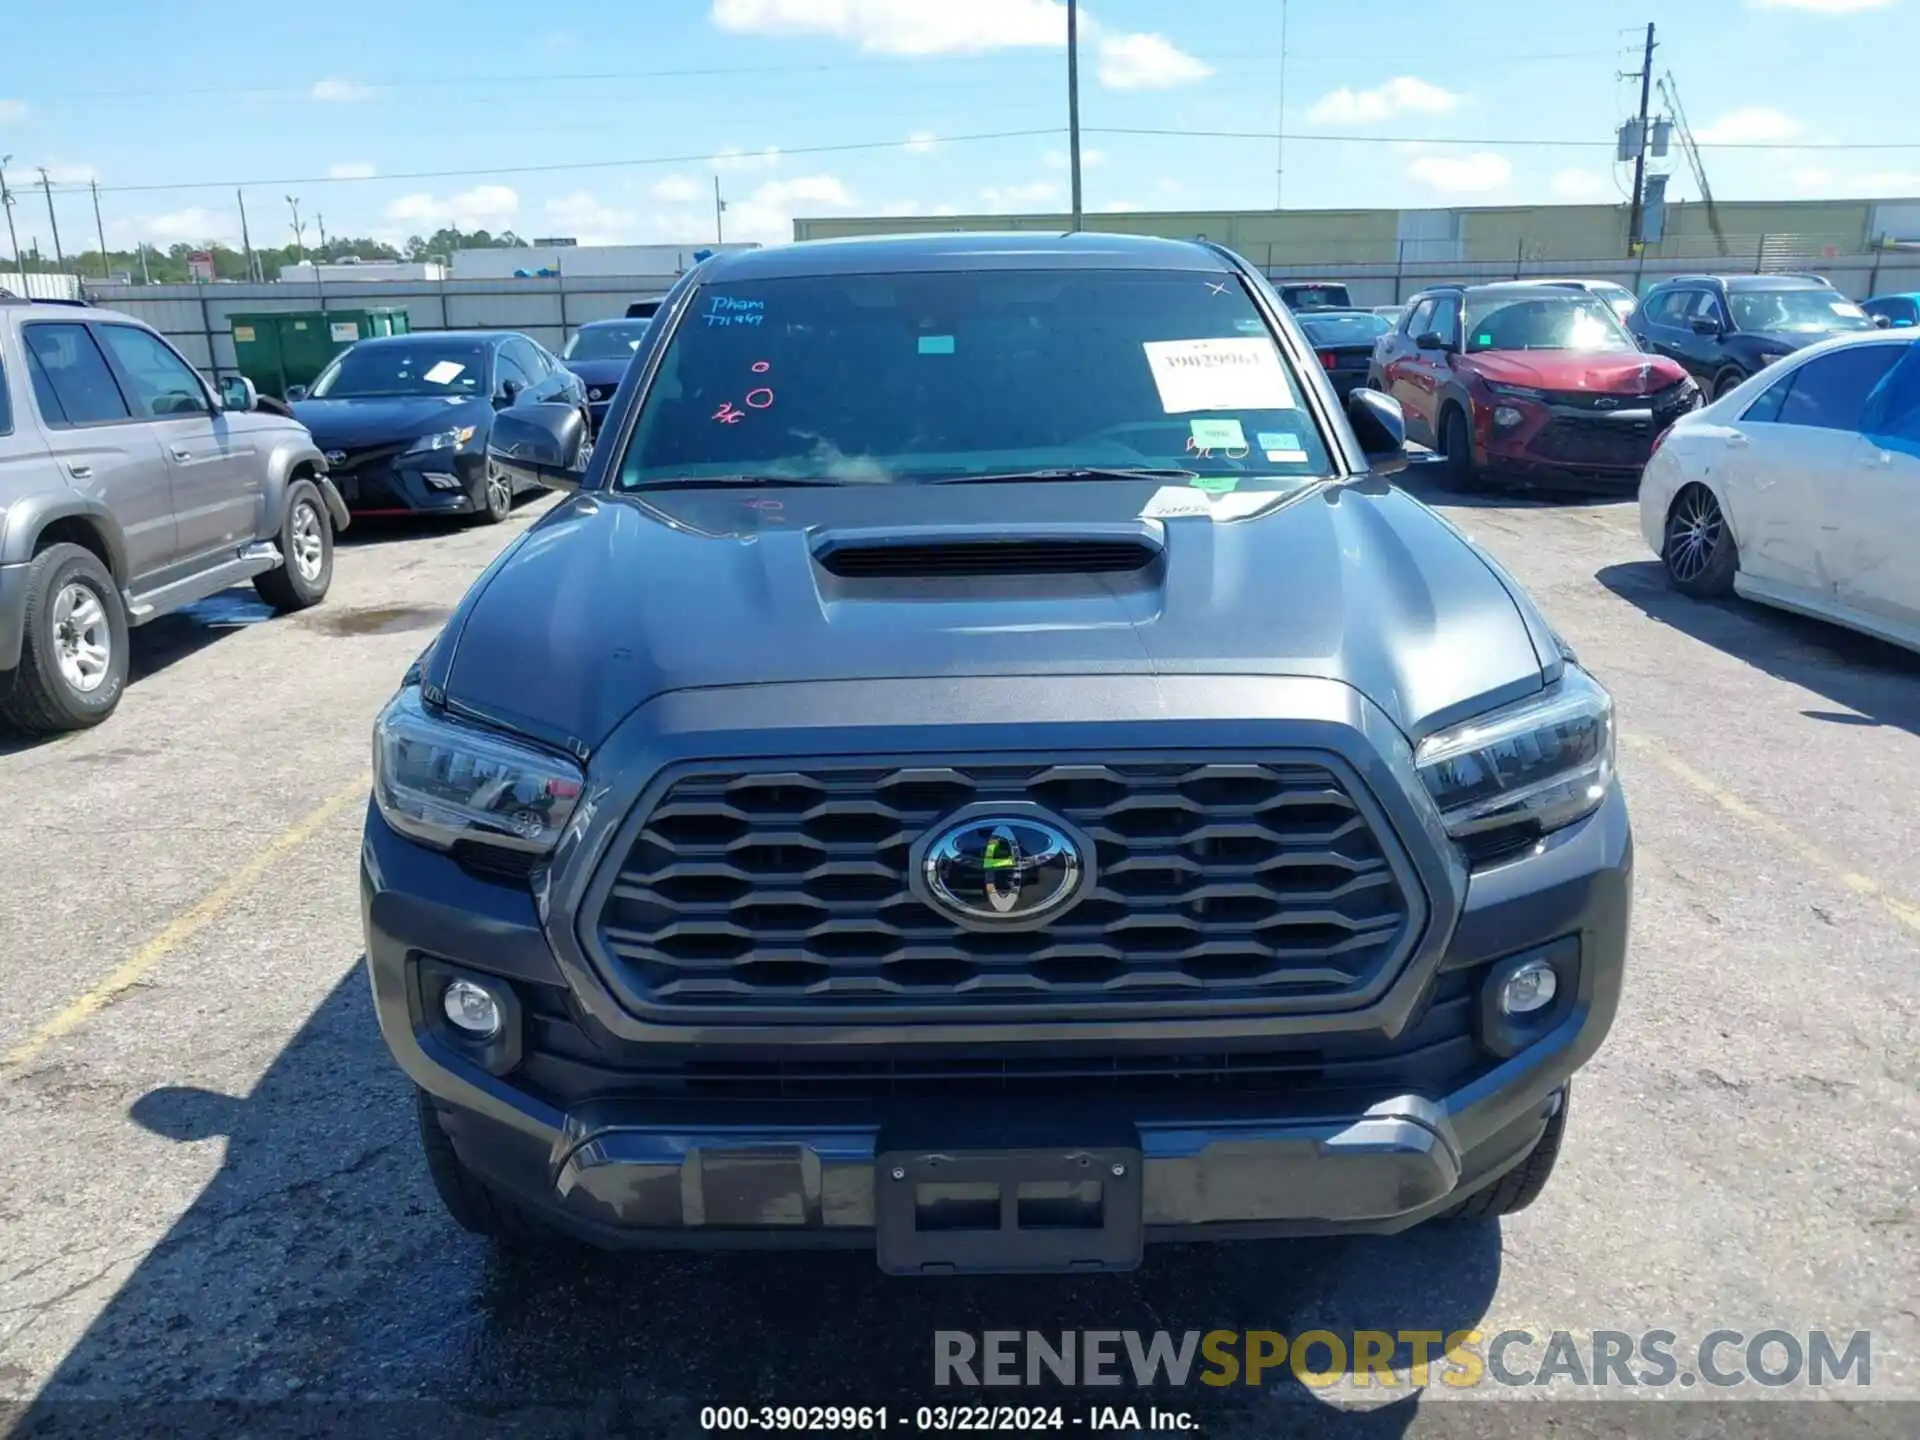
(1801, 488)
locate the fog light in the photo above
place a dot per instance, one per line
(1506, 416)
(1527, 990)
(439, 481)
(472, 1010)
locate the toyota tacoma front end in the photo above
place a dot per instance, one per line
(985, 771)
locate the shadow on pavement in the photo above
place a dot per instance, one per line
(318, 1273)
(1874, 681)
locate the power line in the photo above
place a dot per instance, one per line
(1501, 141)
(702, 157)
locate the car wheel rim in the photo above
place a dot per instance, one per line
(1693, 534)
(308, 544)
(82, 638)
(499, 494)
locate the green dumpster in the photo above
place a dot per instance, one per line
(278, 348)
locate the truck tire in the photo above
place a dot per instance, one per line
(1520, 1186)
(306, 553)
(474, 1205)
(73, 646)
(1456, 443)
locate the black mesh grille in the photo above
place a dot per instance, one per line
(988, 557)
(1590, 442)
(1214, 881)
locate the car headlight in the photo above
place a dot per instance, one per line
(442, 440)
(1544, 762)
(1516, 392)
(439, 782)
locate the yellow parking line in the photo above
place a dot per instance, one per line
(1903, 911)
(208, 909)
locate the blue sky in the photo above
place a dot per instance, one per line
(182, 99)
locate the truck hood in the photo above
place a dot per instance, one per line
(612, 600)
(1614, 372)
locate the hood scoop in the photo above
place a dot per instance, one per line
(950, 552)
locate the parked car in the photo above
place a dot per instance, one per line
(404, 419)
(1894, 312)
(1623, 300)
(130, 487)
(1538, 381)
(1724, 328)
(1390, 313)
(1299, 295)
(1343, 343)
(598, 353)
(1801, 488)
(956, 727)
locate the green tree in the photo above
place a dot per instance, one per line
(445, 241)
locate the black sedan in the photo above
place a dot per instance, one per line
(1343, 342)
(598, 353)
(404, 420)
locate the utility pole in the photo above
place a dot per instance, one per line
(246, 240)
(1280, 134)
(1073, 102)
(146, 276)
(299, 231)
(46, 188)
(320, 224)
(13, 236)
(1638, 215)
(106, 270)
(719, 209)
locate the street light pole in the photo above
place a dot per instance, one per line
(719, 209)
(1073, 102)
(13, 236)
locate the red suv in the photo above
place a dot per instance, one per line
(1528, 380)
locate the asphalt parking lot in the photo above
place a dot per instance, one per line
(210, 1188)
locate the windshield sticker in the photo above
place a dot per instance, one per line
(1485, 342)
(1210, 433)
(443, 373)
(1286, 457)
(1217, 375)
(729, 310)
(1278, 440)
(936, 344)
(1250, 327)
(1175, 502)
(1845, 307)
(1215, 484)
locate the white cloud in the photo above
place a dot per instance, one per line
(1402, 95)
(485, 207)
(1118, 207)
(676, 189)
(12, 112)
(1577, 184)
(350, 170)
(904, 27)
(944, 209)
(736, 159)
(767, 214)
(1059, 159)
(1750, 125)
(1462, 174)
(590, 220)
(897, 208)
(340, 92)
(1147, 62)
(1820, 7)
(1009, 197)
(64, 173)
(191, 226)
(922, 140)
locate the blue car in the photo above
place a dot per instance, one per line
(1902, 312)
(598, 353)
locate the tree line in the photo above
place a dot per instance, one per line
(152, 264)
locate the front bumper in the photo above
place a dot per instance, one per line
(399, 486)
(1562, 441)
(586, 1135)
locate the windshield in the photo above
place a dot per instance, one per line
(1358, 329)
(1315, 297)
(607, 342)
(1805, 311)
(435, 367)
(898, 378)
(1545, 322)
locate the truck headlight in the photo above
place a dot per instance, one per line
(441, 440)
(439, 781)
(1544, 762)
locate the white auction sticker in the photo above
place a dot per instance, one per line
(443, 373)
(1845, 307)
(1174, 502)
(1218, 375)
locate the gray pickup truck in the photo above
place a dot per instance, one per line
(129, 487)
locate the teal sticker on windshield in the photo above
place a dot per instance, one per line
(1215, 484)
(1485, 342)
(1278, 440)
(936, 344)
(1218, 434)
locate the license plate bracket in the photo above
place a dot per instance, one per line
(983, 1212)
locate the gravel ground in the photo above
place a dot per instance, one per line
(210, 1190)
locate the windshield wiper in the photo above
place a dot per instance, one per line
(1074, 472)
(724, 482)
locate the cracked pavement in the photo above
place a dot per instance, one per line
(210, 1189)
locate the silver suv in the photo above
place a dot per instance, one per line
(128, 488)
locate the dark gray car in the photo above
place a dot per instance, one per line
(128, 488)
(988, 769)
